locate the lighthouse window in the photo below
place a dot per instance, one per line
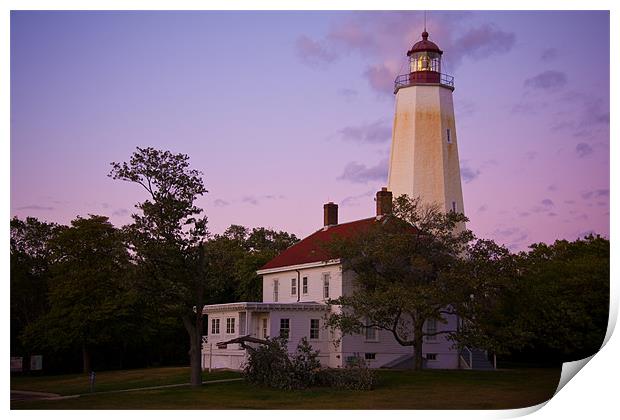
(448, 136)
(454, 206)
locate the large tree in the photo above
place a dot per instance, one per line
(252, 248)
(567, 306)
(90, 301)
(167, 238)
(31, 258)
(404, 266)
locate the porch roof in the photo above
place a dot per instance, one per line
(265, 307)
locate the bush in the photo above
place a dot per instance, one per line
(270, 365)
(356, 376)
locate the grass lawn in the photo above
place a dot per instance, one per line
(513, 388)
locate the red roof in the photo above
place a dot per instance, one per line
(311, 249)
(424, 45)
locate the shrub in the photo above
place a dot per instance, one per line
(270, 365)
(356, 376)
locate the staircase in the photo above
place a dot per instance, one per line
(475, 359)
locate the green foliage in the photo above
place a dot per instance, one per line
(355, 376)
(251, 249)
(568, 299)
(404, 266)
(270, 365)
(90, 300)
(30, 271)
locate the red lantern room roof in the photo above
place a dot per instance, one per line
(424, 45)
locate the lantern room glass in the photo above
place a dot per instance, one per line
(425, 61)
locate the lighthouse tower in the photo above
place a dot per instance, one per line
(424, 160)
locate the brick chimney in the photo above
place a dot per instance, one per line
(330, 214)
(384, 202)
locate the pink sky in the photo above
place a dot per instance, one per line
(284, 111)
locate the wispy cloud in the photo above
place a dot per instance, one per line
(354, 200)
(257, 199)
(36, 207)
(549, 54)
(120, 212)
(220, 203)
(381, 36)
(375, 132)
(313, 53)
(602, 192)
(360, 173)
(468, 174)
(549, 80)
(583, 150)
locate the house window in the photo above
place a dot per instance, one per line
(326, 285)
(370, 356)
(215, 326)
(304, 285)
(448, 136)
(276, 286)
(314, 329)
(371, 333)
(293, 286)
(431, 328)
(264, 322)
(431, 356)
(230, 325)
(285, 327)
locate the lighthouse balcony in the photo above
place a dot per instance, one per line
(423, 78)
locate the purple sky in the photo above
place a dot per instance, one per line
(284, 111)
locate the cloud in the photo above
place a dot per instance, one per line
(547, 202)
(220, 203)
(482, 208)
(360, 173)
(483, 42)
(382, 38)
(312, 52)
(348, 93)
(381, 77)
(36, 207)
(552, 187)
(583, 150)
(548, 80)
(255, 200)
(531, 155)
(120, 212)
(354, 200)
(514, 237)
(602, 192)
(468, 174)
(376, 132)
(549, 54)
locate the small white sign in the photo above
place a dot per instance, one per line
(36, 362)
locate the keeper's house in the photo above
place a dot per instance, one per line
(296, 285)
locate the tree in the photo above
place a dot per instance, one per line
(254, 249)
(89, 300)
(567, 307)
(30, 271)
(167, 238)
(404, 266)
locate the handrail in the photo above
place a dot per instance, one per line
(405, 80)
(471, 361)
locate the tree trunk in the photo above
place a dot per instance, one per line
(194, 330)
(86, 365)
(417, 347)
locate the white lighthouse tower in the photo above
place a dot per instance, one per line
(424, 160)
